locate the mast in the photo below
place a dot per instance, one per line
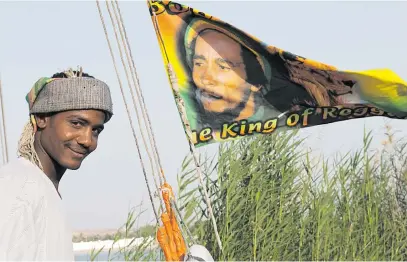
(3, 123)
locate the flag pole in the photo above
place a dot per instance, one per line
(181, 110)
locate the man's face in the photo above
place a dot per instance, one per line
(68, 137)
(219, 72)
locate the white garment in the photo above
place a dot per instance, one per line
(32, 219)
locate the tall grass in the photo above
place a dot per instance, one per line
(146, 250)
(272, 203)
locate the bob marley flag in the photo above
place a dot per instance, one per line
(233, 85)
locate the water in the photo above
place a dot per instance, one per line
(102, 256)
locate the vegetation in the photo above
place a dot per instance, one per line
(130, 252)
(272, 202)
(144, 231)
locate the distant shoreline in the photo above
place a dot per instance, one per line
(84, 247)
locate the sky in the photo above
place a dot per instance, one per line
(40, 38)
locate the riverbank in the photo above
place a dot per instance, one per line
(105, 245)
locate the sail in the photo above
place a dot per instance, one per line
(233, 85)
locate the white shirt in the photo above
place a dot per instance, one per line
(32, 219)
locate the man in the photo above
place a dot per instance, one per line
(67, 114)
(228, 79)
(234, 77)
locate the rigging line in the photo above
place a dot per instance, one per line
(181, 109)
(179, 220)
(121, 25)
(207, 199)
(132, 96)
(142, 97)
(127, 109)
(3, 140)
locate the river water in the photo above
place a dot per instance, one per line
(103, 256)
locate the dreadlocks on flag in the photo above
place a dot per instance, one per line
(233, 85)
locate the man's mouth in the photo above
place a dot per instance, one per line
(210, 95)
(78, 153)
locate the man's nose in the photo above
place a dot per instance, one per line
(85, 139)
(208, 76)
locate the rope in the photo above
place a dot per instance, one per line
(142, 104)
(181, 109)
(144, 110)
(181, 221)
(131, 90)
(187, 129)
(127, 109)
(3, 140)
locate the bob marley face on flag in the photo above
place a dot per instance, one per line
(233, 85)
(226, 76)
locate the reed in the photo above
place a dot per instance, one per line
(273, 202)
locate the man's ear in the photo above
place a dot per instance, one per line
(42, 121)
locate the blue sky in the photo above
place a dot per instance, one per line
(41, 38)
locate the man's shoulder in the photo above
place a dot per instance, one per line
(21, 204)
(16, 177)
(17, 169)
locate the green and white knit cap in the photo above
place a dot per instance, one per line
(51, 95)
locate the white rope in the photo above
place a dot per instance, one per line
(181, 109)
(128, 112)
(141, 100)
(146, 118)
(4, 136)
(131, 91)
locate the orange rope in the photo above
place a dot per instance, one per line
(169, 235)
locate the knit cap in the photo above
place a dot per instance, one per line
(51, 95)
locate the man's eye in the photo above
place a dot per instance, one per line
(97, 131)
(224, 67)
(76, 123)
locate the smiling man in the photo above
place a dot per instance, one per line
(67, 114)
(227, 75)
(227, 78)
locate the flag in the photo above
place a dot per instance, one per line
(233, 85)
